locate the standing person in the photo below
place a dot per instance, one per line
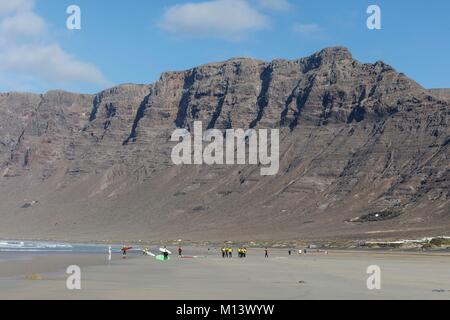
(290, 252)
(166, 253)
(230, 253)
(180, 252)
(266, 251)
(223, 252)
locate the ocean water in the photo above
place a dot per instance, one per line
(41, 246)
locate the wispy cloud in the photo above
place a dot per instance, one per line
(276, 5)
(49, 62)
(308, 30)
(225, 19)
(22, 24)
(11, 6)
(27, 52)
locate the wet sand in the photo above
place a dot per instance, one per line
(338, 275)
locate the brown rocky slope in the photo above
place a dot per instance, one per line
(364, 153)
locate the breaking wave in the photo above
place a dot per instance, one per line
(38, 246)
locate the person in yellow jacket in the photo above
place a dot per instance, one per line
(230, 253)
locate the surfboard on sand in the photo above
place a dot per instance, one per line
(164, 250)
(161, 258)
(148, 253)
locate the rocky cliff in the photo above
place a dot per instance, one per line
(441, 93)
(363, 154)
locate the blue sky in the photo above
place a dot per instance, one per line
(136, 40)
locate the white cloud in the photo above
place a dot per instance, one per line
(11, 6)
(277, 5)
(226, 19)
(49, 62)
(307, 29)
(28, 53)
(22, 24)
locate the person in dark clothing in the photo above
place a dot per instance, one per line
(266, 251)
(124, 251)
(180, 252)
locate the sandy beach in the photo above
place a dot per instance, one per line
(336, 275)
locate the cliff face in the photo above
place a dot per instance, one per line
(441, 93)
(363, 154)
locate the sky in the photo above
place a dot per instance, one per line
(135, 41)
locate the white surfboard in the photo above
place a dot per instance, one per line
(164, 250)
(148, 253)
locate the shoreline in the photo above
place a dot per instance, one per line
(336, 275)
(400, 245)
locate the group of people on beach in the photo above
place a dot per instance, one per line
(227, 252)
(242, 252)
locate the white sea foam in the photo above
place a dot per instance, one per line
(42, 246)
(32, 246)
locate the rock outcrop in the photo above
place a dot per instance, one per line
(441, 93)
(363, 149)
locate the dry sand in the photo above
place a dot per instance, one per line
(338, 275)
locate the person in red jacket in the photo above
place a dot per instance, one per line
(124, 251)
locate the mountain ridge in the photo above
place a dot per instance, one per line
(363, 148)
